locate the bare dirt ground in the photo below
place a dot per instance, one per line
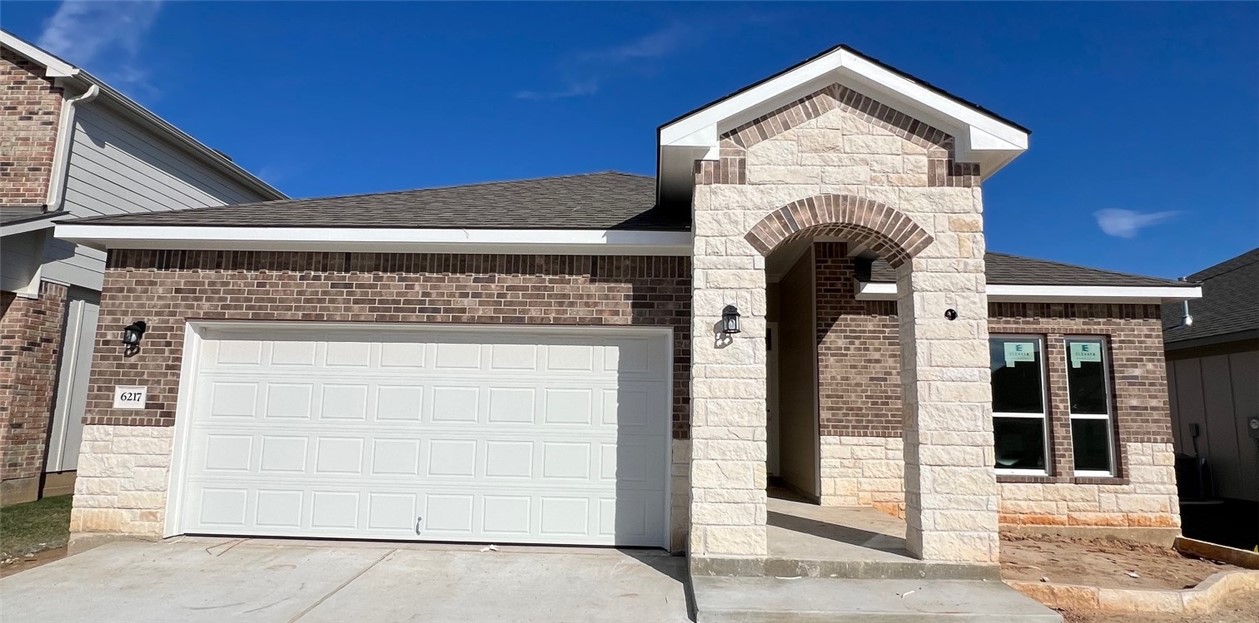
(1239, 608)
(1107, 563)
(19, 565)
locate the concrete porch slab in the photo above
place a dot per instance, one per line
(807, 540)
(823, 600)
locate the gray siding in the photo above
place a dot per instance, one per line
(19, 259)
(1218, 392)
(116, 167)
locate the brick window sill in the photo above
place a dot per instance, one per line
(1099, 480)
(1083, 480)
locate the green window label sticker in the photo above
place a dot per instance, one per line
(1016, 352)
(1085, 352)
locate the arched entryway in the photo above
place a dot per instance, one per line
(940, 321)
(832, 369)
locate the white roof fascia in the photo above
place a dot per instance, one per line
(57, 68)
(980, 136)
(1054, 294)
(53, 66)
(576, 241)
(28, 225)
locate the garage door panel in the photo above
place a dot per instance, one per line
(632, 406)
(481, 436)
(289, 400)
(392, 512)
(279, 508)
(469, 457)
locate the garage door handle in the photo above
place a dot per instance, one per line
(417, 524)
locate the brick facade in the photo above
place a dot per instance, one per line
(858, 345)
(30, 344)
(30, 107)
(858, 353)
(166, 289)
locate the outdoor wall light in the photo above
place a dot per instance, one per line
(132, 334)
(730, 320)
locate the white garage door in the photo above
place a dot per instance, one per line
(475, 435)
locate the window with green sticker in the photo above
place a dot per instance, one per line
(1088, 395)
(1018, 403)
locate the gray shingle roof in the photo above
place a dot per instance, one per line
(1015, 270)
(590, 201)
(1229, 303)
(17, 214)
(13, 215)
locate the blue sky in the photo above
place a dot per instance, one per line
(1145, 117)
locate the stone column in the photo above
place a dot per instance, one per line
(728, 451)
(950, 486)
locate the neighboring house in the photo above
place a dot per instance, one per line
(549, 361)
(71, 146)
(1213, 375)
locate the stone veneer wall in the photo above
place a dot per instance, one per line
(122, 480)
(861, 446)
(30, 348)
(837, 163)
(169, 288)
(30, 109)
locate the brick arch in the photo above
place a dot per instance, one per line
(883, 229)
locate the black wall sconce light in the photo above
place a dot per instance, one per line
(730, 320)
(132, 335)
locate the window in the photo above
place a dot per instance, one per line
(1018, 403)
(1088, 392)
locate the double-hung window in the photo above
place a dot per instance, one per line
(1018, 403)
(1088, 393)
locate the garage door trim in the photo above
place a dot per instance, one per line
(197, 332)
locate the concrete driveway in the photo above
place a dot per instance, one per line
(202, 579)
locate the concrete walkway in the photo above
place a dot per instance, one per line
(201, 579)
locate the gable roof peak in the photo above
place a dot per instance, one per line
(980, 135)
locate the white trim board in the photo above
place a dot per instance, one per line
(44, 221)
(552, 241)
(999, 293)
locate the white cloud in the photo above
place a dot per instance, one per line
(589, 69)
(656, 44)
(575, 89)
(1128, 223)
(107, 33)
